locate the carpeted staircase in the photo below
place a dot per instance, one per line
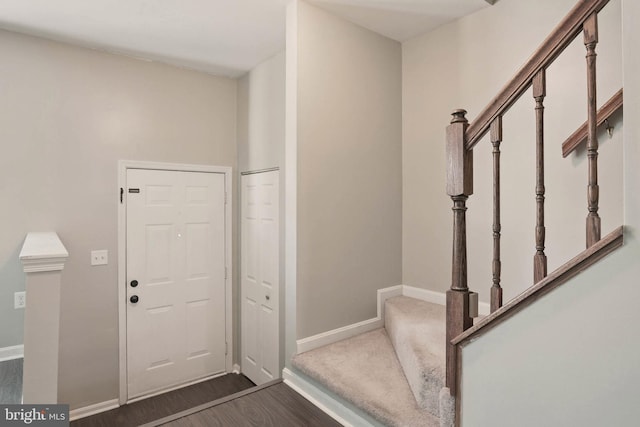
(394, 374)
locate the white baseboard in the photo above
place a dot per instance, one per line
(13, 352)
(437, 298)
(424, 295)
(236, 369)
(329, 337)
(339, 334)
(331, 406)
(94, 409)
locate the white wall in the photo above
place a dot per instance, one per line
(291, 182)
(463, 65)
(67, 115)
(348, 142)
(261, 115)
(261, 144)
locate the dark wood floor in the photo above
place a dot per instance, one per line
(11, 381)
(157, 407)
(273, 406)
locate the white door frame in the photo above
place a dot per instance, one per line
(123, 166)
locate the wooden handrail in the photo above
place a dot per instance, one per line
(579, 263)
(462, 136)
(548, 51)
(605, 112)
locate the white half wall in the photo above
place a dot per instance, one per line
(566, 360)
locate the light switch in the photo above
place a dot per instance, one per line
(100, 257)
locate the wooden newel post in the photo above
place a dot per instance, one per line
(459, 187)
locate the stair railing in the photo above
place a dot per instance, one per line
(462, 136)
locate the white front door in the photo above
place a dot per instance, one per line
(175, 230)
(260, 278)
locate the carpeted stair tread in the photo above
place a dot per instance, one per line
(365, 371)
(416, 329)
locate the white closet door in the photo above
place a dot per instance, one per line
(260, 277)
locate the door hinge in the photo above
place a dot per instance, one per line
(225, 273)
(121, 194)
(226, 348)
(225, 197)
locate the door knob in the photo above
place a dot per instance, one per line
(134, 299)
(267, 297)
(134, 283)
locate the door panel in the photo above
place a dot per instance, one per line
(260, 278)
(176, 253)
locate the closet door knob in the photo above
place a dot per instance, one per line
(134, 299)
(134, 283)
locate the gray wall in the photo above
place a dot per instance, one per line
(349, 170)
(463, 65)
(67, 115)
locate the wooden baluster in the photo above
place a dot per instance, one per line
(590, 29)
(496, 139)
(459, 187)
(539, 259)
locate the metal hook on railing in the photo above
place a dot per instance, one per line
(609, 128)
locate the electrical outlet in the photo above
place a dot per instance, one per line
(100, 257)
(19, 299)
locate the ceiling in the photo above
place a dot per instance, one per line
(223, 37)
